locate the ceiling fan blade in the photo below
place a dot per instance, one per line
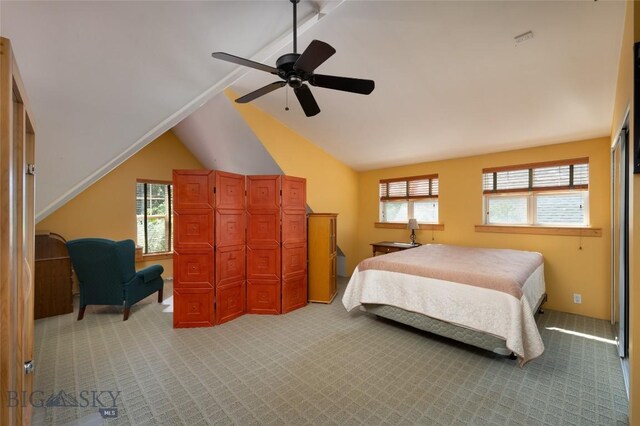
(315, 54)
(346, 84)
(260, 92)
(241, 61)
(307, 101)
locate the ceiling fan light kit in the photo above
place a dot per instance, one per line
(296, 69)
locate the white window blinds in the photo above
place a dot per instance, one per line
(409, 188)
(549, 176)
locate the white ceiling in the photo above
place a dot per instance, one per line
(105, 78)
(451, 82)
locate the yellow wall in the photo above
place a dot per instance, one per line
(624, 97)
(568, 270)
(332, 187)
(107, 209)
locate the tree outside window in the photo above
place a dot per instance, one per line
(153, 216)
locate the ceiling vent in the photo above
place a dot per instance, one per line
(523, 37)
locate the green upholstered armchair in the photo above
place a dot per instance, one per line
(107, 274)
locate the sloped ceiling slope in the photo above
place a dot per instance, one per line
(451, 81)
(218, 136)
(102, 76)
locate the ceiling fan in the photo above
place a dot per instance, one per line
(295, 69)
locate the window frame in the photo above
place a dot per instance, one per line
(532, 192)
(410, 210)
(168, 217)
(432, 185)
(532, 208)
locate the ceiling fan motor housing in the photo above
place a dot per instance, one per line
(293, 77)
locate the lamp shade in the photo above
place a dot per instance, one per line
(413, 224)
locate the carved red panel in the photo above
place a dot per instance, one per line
(294, 196)
(294, 227)
(230, 191)
(263, 193)
(294, 259)
(263, 263)
(193, 189)
(230, 302)
(230, 264)
(193, 269)
(263, 297)
(263, 228)
(193, 228)
(230, 228)
(294, 293)
(192, 307)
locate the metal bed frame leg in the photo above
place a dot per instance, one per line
(544, 299)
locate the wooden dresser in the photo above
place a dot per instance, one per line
(53, 293)
(322, 257)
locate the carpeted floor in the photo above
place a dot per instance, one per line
(317, 365)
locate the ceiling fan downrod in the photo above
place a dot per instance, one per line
(295, 25)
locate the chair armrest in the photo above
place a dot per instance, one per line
(150, 273)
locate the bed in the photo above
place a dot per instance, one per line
(484, 297)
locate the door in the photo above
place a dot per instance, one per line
(620, 240)
(17, 243)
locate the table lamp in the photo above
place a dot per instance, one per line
(413, 225)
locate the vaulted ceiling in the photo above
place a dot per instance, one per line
(106, 78)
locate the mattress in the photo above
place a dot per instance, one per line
(497, 298)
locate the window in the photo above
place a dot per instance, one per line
(547, 194)
(153, 213)
(411, 197)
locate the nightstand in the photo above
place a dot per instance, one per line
(390, 247)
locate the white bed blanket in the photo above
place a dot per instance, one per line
(477, 308)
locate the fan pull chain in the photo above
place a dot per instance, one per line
(286, 98)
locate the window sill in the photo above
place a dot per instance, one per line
(140, 257)
(541, 230)
(423, 226)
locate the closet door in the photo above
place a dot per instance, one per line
(294, 243)
(263, 245)
(193, 257)
(17, 242)
(230, 242)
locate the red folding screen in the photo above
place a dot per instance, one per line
(237, 250)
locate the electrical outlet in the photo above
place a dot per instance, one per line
(577, 298)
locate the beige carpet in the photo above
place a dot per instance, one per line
(318, 365)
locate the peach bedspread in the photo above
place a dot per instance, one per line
(498, 269)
